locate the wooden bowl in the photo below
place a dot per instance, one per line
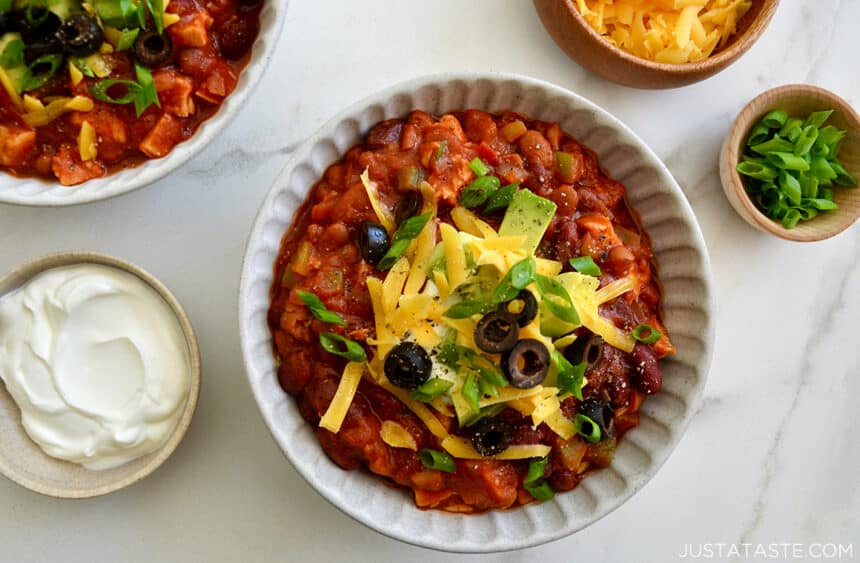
(583, 44)
(798, 100)
(22, 461)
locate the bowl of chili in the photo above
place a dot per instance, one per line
(273, 370)
(99, 99)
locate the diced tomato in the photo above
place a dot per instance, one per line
(71, 170)
(487, 154)
(166, 133)
(15, 145)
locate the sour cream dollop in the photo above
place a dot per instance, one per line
(96, 361)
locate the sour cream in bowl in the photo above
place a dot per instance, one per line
(101, 374)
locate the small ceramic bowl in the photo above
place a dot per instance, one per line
(583, 44)
(798, 100)
(22, 461)
(42, 192)
(687, 306)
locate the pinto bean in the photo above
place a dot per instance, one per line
(647, 375)
(536, 149)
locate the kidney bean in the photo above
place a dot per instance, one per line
(236, 36)
(386, 133)
(647, 375)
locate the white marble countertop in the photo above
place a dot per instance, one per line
(772, 455)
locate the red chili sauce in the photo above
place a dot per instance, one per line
(319, 253)
(212, 43)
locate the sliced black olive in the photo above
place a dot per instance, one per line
(585, 349)
(36, 49)
(523, 307)
(372, 241)
(81, 35)
(7, 22)
(41, 24)
(152, 49)
(408, 206)
(408, 365)
(496, 333)
(491, 436)
(600, 412)
(527, 364)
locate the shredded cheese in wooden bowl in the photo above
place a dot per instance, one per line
(666, 31)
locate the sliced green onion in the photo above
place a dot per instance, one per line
(341, 346)
(541, 491)
(501, 198)
(534, 482)
(790, 187)
(537, 467)
(556, 298)
(440, 461)
(570, 377)
(13, 54)
(36, 13)
(431, 389)
(126, 39)
(37, 75)
(820, 204)
(518, 277)
(488, 371)
(585, 265)
(843, 177)
(776, 144)
(646, 334)
(156, 10)
(788, 161)
(148, 95)
(99, 91)
(477, 192)
(471, 393)
(318, 308)
(775, 119)
(408, 230)
(587, 428)
(791, 130)
(804, 142)
(465, 309)
(758, 134)
(760, 170)
(792, 216)
(478, 167)
(817, 118)
(487, 387)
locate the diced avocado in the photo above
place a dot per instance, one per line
(529, 215)
(120, 15)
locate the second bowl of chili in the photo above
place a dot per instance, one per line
(99, 99)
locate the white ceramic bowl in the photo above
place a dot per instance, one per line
(41, 192)
(24, 462)
(688, 306)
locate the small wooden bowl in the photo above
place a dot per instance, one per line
(22, 461)
(798, 100)
(583, 44)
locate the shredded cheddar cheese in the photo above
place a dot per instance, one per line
(56, 108)
(333, 417)
(383, 213)
(87, 142)
(666, 31)
(462, 448)
(396, 436)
